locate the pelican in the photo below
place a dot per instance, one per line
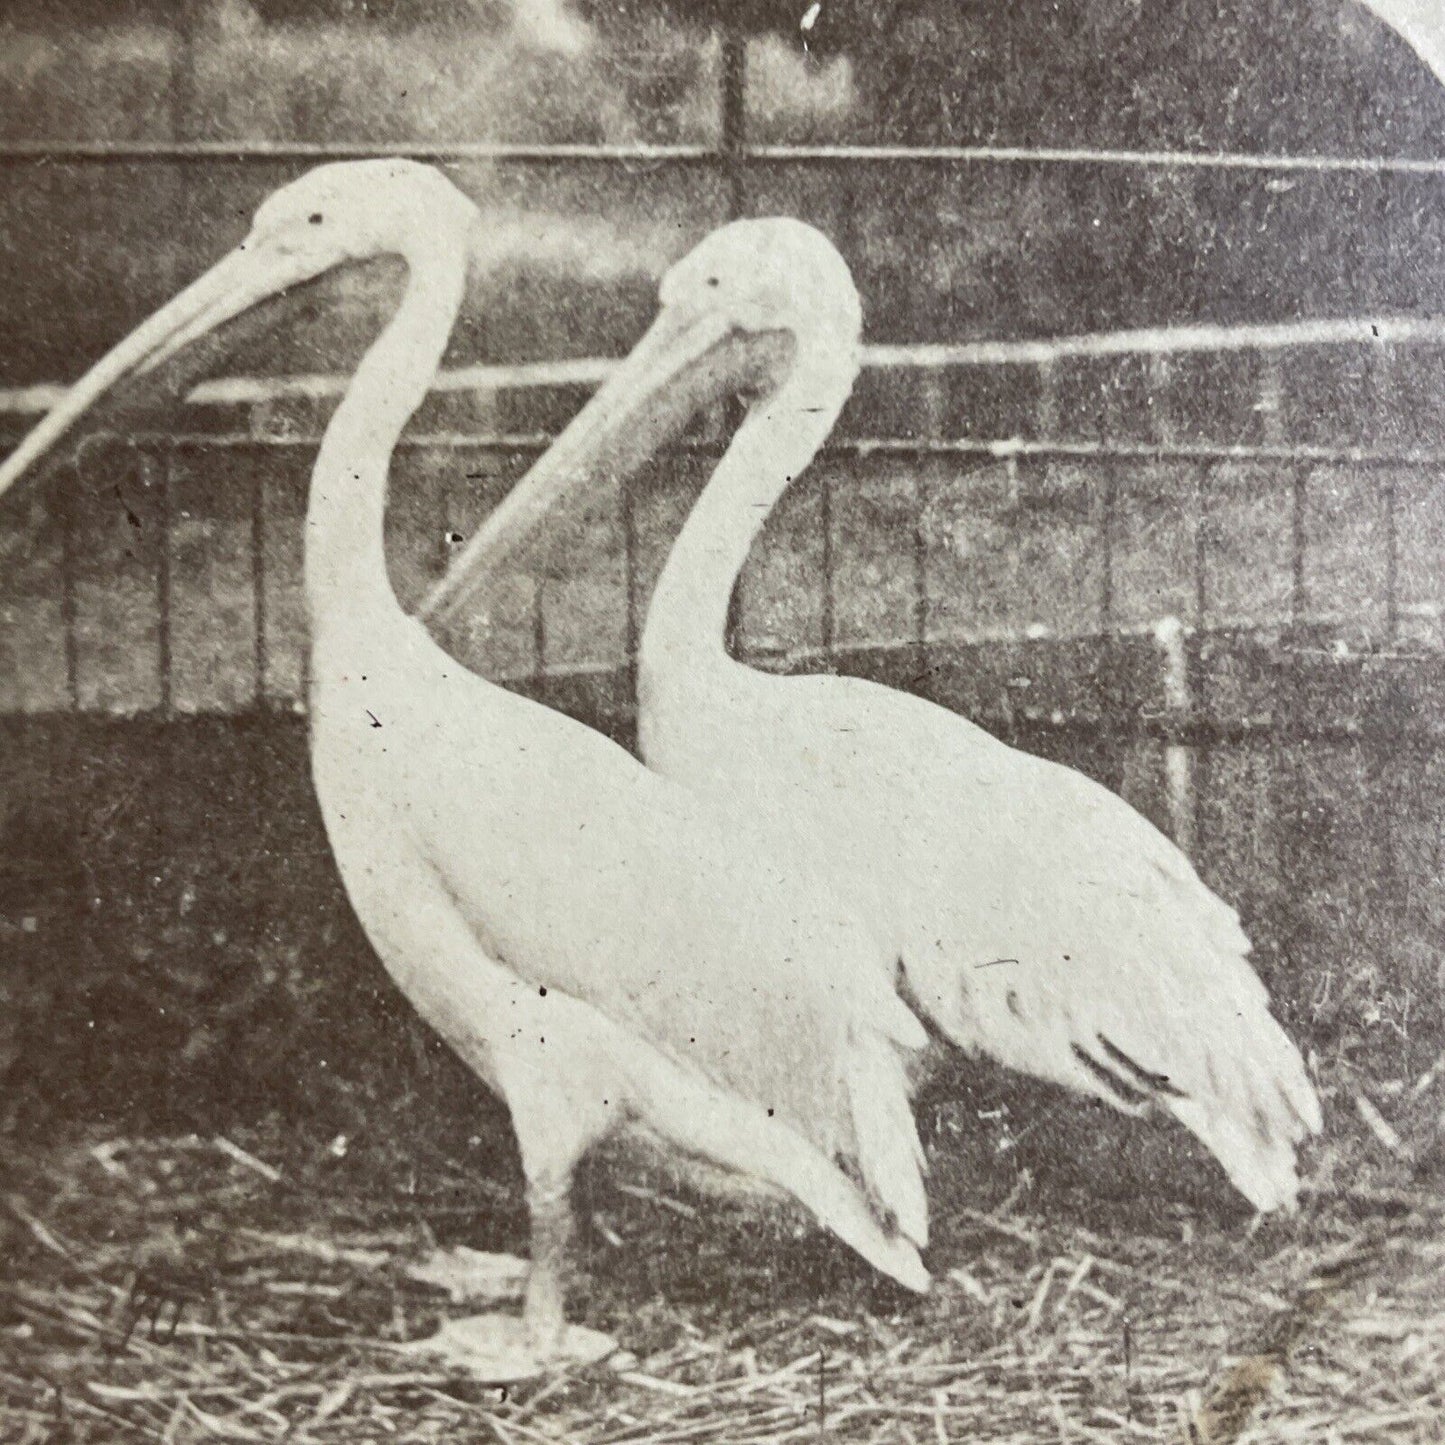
(1040, 920)
(606, 948)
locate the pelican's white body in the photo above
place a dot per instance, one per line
(600, 946)
(603, 946)
(1039, 918)
(1034, 910)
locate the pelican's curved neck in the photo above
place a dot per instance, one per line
(782, 433)
(345, 561)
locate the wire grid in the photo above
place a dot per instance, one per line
(1263, 853)
(736, 159)
(1197, 466)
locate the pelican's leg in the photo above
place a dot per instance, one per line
(558, 1113)
(555, 1126)
(544, 1310)
(500, 1347)
(557, 1116)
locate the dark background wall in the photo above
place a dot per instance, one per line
(166, 899)
(988, 248)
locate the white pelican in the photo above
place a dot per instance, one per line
(1040, 919)
(603, 946)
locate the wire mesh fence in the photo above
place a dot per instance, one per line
(162, 572)
(1205, 566)
(121, 607)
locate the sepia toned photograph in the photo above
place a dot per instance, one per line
(722, 722)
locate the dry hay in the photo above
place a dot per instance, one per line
(254, 1289)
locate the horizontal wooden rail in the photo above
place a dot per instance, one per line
(996, 449)
(1202, 339)
(250, 152)
(23, 152)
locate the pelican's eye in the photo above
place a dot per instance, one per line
(315, 218)
(713, 281)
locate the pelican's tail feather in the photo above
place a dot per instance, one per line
(890, 1156)
(736, 1134)
(1261, 1167)
(1263, 1107)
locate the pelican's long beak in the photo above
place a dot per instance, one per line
(247, 276)
(682, 363)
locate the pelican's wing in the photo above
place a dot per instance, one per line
(669, 917)
(1047, 923)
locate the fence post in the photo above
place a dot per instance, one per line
(1172, 640)
(65, 491)
(734, 122)
(183, 72)
(181, 113)
(1171, 635)
(155, 476)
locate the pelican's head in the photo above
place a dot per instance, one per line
(351, 211)
(757, 305)
(354, 210)
(759, 276)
